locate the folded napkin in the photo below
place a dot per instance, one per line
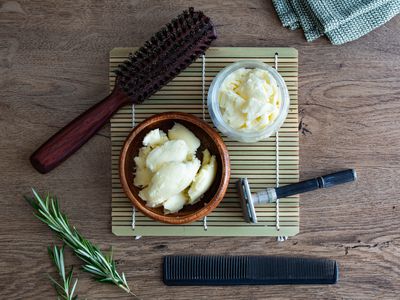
(340, 20)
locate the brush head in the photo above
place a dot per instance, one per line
(167, 53)
(246, 201)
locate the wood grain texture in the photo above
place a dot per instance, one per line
(70, 138)
(54, 65)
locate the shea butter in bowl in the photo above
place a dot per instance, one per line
(174, 168)
(248, 101)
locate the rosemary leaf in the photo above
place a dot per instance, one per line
(101, 266)
(63, 288)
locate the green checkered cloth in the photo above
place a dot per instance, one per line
(341, 21)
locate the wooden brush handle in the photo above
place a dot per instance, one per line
(70, 138)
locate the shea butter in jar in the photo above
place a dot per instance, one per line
(248, 101)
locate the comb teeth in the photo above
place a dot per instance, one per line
(233, 270)
(167, 53)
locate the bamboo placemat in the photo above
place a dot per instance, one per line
(256, 161)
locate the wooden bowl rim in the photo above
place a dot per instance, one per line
(225, 174)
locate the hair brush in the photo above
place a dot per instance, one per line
(161, 58)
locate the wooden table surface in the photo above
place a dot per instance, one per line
(54, 65)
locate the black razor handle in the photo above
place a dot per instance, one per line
(316, 183)
(239, 270)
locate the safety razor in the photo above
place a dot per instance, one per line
(249, 200)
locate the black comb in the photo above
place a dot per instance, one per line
(161, 58)
(240, 270)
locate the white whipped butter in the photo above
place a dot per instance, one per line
(249, 99)
(168, 171)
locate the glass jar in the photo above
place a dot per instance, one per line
(214, 107)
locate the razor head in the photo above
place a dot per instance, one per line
(246, 201)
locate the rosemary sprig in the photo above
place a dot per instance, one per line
(64, 289)
(101, 266)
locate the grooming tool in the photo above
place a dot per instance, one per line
(161, 58)
(248, 199)
(239, 270)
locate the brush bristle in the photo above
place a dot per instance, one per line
(167, 53)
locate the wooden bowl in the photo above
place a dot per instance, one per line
(209, 138)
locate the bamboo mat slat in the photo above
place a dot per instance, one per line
(256, 161)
